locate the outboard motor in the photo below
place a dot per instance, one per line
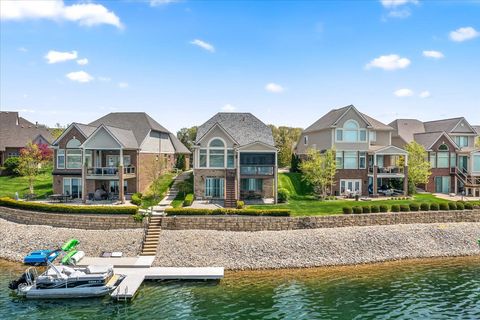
(14, 284)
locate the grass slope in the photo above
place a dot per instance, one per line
(11, 184)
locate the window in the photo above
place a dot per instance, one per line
(73, 143)
(230, 159)
(461, 141)
(443, 147)
(61, 158)
(72, 187)
(252, 184)
(350, 160)
(351, 132)
(203, 158)
(372, 136)
(433, 159)
(350, 186)
(363, 135)
(216, 158)
(453, 160)
(339, 159)
(442, 159)
(362, 156)
(339, 135)
(113, 186)
(74, 159)
(114, 160)
(217, 143)
(89, 158)
(214, 187)
(305, 140)
(476, 163)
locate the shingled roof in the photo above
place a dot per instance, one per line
(407, 128)
(16, 132)
(244, 128)
(446, 125)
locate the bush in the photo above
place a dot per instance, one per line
(223, 211)
(404, 208)
(357, 209)
(347, 210)
(395, 208)
(434, 206)
(366, 209)
(443, 206)
(59, 208)
(283, 195)
(138, 217)
(188, 200)
(424, 206)
(383, 208)
(468, 206)
(136, 199)
(240, 204)
(452, 206)
(414, 206)
(375, 209)
(460, 206)
(11, 165)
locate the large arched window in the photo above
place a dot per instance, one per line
(216, 143)
(443, 156)
(216, 153)
(443, 147)
(351, 132)
(73, 143)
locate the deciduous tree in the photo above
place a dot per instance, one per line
(30, 162)
(319, 170)
(419, 169)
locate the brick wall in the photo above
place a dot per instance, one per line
(361, 174)
(199, 179)
(146, 163)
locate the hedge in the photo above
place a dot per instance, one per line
(460, 206)
(404, 208)
(414, 206)
(424, 206)
(61, 208)
(188, 200)
(223, 211)
(374, 209)
(468, 206)
(357, 209)
(434, 206)
(383, 208)
(395, 208)
(136, 199)
(443, 206)
(347, 210)
(366, 209)
(452, 206)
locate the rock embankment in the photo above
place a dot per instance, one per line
(17, 240)
(315, 247)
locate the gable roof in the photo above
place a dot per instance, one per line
(447, 125)
(244, 128)
(178, 145)
(139, 123)
(331, 119)
(407, 128)
(16, 132)
(124, 137)
(428, 139)
(477, 128)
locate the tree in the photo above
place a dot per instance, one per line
(181, 164)
(295, 163)
(477, 142)
(319, 170)
(57, 130)
(419, 169)
(187, 136)
(155, 169)
(285, 140)
(29, 163)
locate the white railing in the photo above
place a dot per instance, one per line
(109, 171)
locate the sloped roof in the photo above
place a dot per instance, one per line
(477, 128)
(244, 128)
(16, 132)
(446, 125)
(139, 123)
(429, 138)
(407, 128)
(85, 129)
(330, 120)
(178, 145)
(124, 136)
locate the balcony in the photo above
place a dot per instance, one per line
(107, 173)
(259, 170)
(391, 171)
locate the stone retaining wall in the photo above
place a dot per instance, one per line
(249, 223)
(70, 220)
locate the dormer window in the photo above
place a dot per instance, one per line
(351, 132)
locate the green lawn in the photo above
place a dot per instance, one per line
(301, 203)
(11, 184)
(161, 184)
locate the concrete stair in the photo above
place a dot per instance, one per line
(150, 243)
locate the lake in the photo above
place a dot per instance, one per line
(417, 289)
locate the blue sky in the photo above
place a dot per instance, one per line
(286, 62)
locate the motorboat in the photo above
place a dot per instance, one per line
(39, 257)
(67, 282)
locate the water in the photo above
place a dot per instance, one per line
(419, 289)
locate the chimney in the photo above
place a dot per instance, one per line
(36, 124)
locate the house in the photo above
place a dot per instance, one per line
(118, 154)
(235, 158)
(450, 144)
(16, 132)
(367, 161)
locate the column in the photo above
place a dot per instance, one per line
(405, 180)
(237, 183)
(84, 177)
(275, 180)
(375, 187)
(121, 193)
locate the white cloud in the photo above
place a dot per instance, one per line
(228, 108)
(82, 62)
(22, 49)
(403, 93)
(204, 45)
(274, 87)
(104, 79)
(57, 56)
(85, 14)
(389, 62)
(396, 3)
(463, 34)
(79, 76)
(425, 94)
(155, 3)
(123, 85)
(433, 54)
(401, 14)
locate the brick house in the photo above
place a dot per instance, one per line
(450, 144)
(16, 132)
(235, 158)
(118, 153)
(367, 161)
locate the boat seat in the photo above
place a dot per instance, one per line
(98, 269)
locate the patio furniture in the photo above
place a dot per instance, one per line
(30, 196)
(59, 197)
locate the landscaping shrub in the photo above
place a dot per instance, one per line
(366, 209)
(452, 206)
(357, 209)
(424, 206)
(434, 206)
(61, 208)
(138, 217)
(443, 206)
(283, 195)
(404, 208)
(395, 208)
(468, 206)
(374, 209)
(136, 199)
(223, 211)
(414, 206)
(383, 208)
(240, 204)
(347, 210)
(460, 206)
(11, 165)
(188, 200)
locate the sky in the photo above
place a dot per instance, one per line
(287, 62)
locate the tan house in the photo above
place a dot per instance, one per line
(450, 144)
(113, 156)
(235, 158)
(367, 161)
(16, 132)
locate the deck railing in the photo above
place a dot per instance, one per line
(109, 171)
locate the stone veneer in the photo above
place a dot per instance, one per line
(251, 223)
(70, 220)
